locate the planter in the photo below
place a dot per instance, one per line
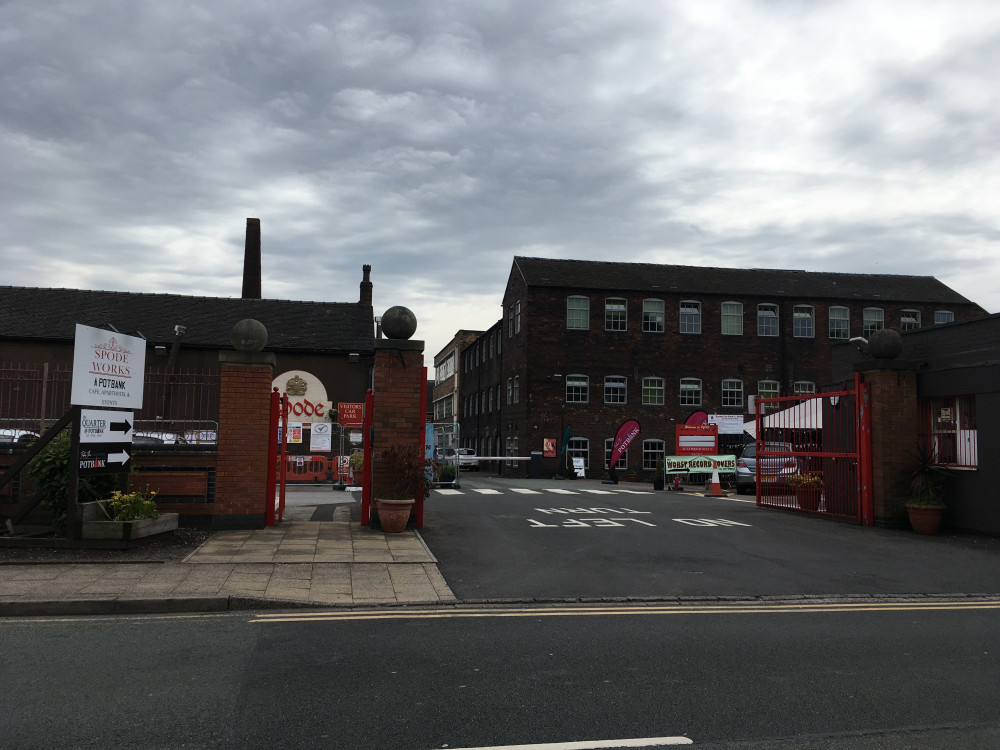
(925, 519)
(128, 530)
(808, 498)
(658, 484)
(394, 514)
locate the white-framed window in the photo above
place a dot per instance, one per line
(517, 389)
(732, 318)
(840, 323)
(577, 389)
(514, 319)
(768, 389)
(615, 389)
(609, 446)
(767, 320)
(690, 392)
(615, 314)
(509, 452)
(690, 318)
(803, 387)
(943, 316)
(444, 408)
(445, 369)
(909, 320)
(652, 316)
(652, 391)
(953, 436)
(732, 392)
(577, 313)
(803, 322)
(578, 448)
(651, 450)
(510, 390)
(874, 320)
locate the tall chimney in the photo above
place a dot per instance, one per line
(366, 286)
(251, 261)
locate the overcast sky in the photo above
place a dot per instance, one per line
(436, 140)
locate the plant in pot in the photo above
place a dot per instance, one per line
(808, 490)
(658, 474)
(404, 477)
(49, 473)
(925, 504)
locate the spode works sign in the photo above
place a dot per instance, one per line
(108, 369)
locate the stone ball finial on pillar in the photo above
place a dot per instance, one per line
(249, 335)
(885, 344)
(399, 323)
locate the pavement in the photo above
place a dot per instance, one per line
(297, 563)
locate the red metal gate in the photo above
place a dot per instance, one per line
(814, 453)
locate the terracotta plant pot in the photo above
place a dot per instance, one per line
(925, 519)
(808, 498)
(394, 514)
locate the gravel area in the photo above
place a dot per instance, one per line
(170, 547)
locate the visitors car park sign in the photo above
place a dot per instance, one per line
(108, 369)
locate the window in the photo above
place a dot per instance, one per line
(840, 323)
(690, 317)
(732, 318)
(609, 446)
(514, 319)
(803, 326)
(874, 320)
(485, 400)
(690, 392)
(577, 389)
(953, 436)
(510, 390)
(943, 316)
(491, 346)
(578, 448)
(443, 408)
(652, 391)
(614, 389)
(769, 389)
(652, 316)
(509, 452)
(909, 320)
(803, 387)
(517, 389)
(615, 315)
(767, 320)
(446, 369)
(651, 450)
(577, 313)
(490, 391)
(732, 392)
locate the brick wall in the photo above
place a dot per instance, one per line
(895, 418)
(397, 385)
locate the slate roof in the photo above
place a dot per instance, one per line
(734, 282)
(51, 314)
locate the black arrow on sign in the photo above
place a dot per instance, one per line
(122, 427)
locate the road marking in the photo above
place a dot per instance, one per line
(600, 492)
(525, 491)
(451, 492)
(643, 609)
(708, 522)
(593, 745)
(562, 492)
(486, 491)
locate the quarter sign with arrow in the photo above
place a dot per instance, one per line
(105, 441)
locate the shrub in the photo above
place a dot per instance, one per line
(131, 506)
(805, 481)
(446, 473)
(405, 474)
(49, 472)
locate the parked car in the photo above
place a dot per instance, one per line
(467, 459)
(17, 436)
(773, 469)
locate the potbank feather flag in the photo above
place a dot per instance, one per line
(626, 434)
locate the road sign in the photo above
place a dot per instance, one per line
(104, 458)
(108, 369)
(100, 426)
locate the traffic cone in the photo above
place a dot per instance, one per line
(716, 489)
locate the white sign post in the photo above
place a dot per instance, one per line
(108, 369)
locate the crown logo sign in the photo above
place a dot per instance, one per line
(296, 386)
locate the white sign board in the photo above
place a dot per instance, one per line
(97, 426)
(578, 466)
(728, 424)
(320, 437)
(108, 369)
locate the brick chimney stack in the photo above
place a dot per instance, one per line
(366, 286)
(251, 261)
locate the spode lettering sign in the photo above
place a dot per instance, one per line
(108, 369)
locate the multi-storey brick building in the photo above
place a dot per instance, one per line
(445, 396)
(587, 345)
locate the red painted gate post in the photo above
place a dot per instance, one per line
(283, 475)
(272, 459)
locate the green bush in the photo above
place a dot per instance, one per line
(131, 506)
(49, 473)
(446, 473)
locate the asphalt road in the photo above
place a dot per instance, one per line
(547, 539)
(766, 677)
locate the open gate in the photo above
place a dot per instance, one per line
(814, 453)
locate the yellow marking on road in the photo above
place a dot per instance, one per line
(572, 611)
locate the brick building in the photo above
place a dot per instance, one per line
(447, 383)
(587, 345)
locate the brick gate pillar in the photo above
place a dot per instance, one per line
(896, 430)
(241, 490)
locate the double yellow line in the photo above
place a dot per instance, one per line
(629, 610)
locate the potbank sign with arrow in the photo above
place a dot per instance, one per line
(105, 441)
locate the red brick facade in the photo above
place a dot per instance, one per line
(399, 383)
